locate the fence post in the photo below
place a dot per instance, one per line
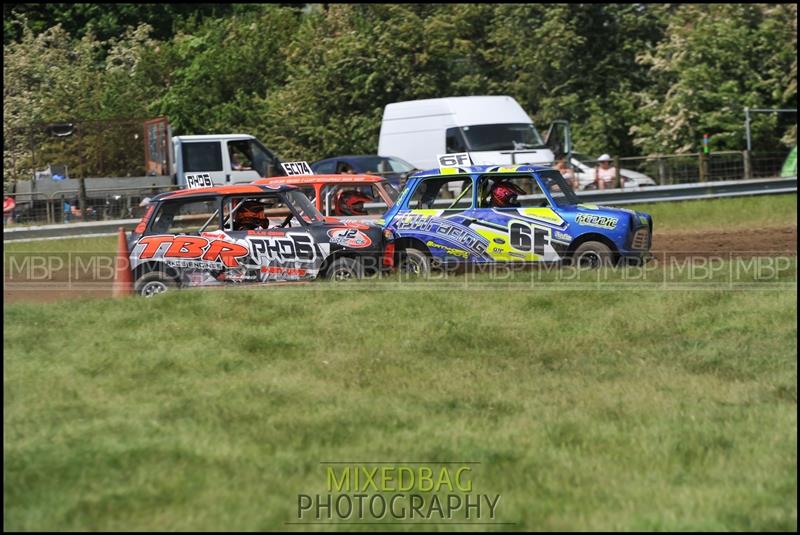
(617, 176)
(748, 169)
(702, 166)
(82, 183)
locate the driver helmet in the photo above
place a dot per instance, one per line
(351, 203)
(250, 216)
(504, 194)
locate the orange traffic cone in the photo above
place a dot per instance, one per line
(123, 278)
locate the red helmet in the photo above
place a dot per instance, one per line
(504, 194)
(249, 216)
(351, 202)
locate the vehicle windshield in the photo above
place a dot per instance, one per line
(514, 136)
(381, 164)
(303, 207)
(391, 191)
(559, 189)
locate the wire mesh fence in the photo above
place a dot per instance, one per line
(108, 148)
(64, 207)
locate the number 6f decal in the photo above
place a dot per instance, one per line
(520, 238)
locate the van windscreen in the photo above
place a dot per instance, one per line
(514, 136)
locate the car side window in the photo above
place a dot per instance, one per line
(202, 156)
(508, 191)
(443, 193)
(264, 211)
(326, 168)
(187, 217)
(309, 192)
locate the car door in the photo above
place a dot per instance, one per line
(516, 233)
(284, 250)
(439, 213)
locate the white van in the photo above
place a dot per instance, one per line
(493, 129)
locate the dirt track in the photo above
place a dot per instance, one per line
(772, 241)
(738, 243)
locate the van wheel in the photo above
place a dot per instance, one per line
(154, 283)
(592, 254)
(414, 261)
(344, 269)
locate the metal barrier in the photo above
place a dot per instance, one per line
(671, 193)
(64, 207)
(665, 169)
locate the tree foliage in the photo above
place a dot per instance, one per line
(631, 78)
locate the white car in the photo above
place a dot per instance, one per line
(584, 168)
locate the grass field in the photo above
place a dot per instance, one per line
(598, 406)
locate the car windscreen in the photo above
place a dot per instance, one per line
(303, 207)
(559, 189)
(512, 136)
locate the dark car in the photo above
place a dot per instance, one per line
(395, 170)
(248, 233)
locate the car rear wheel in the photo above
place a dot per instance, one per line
(592, 254)
(154, 283)
(414, 261)
(345, 269)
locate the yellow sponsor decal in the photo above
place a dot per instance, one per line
(501, 251)
(545, 214)
(428, 212)
(449, 250)
(508, 168)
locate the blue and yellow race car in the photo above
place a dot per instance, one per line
(518, 213)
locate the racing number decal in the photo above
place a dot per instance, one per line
(199, 180)
(524, 237)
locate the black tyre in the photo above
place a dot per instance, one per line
(153, 283)
(414, 261)
(345, 269)
(592, 254)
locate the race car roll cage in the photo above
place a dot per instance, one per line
(220, 198)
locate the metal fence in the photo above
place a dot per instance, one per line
(79, 149)
(64, 207)
(666, 169)
(112, 203)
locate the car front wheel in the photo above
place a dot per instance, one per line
(154, 283)
(414, 261)
(592, 254)
(345, 269)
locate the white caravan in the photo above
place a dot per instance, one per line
(492, 129)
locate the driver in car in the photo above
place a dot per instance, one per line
(250, 216)
(504, 195)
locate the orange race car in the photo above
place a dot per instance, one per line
(346, 196)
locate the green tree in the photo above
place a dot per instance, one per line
(220, 74)
(713, 62)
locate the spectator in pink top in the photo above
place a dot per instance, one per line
(604, 173)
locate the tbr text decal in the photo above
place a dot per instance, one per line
(190, 247)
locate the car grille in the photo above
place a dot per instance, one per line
(641, 239)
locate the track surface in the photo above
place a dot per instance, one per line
(726, 244)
